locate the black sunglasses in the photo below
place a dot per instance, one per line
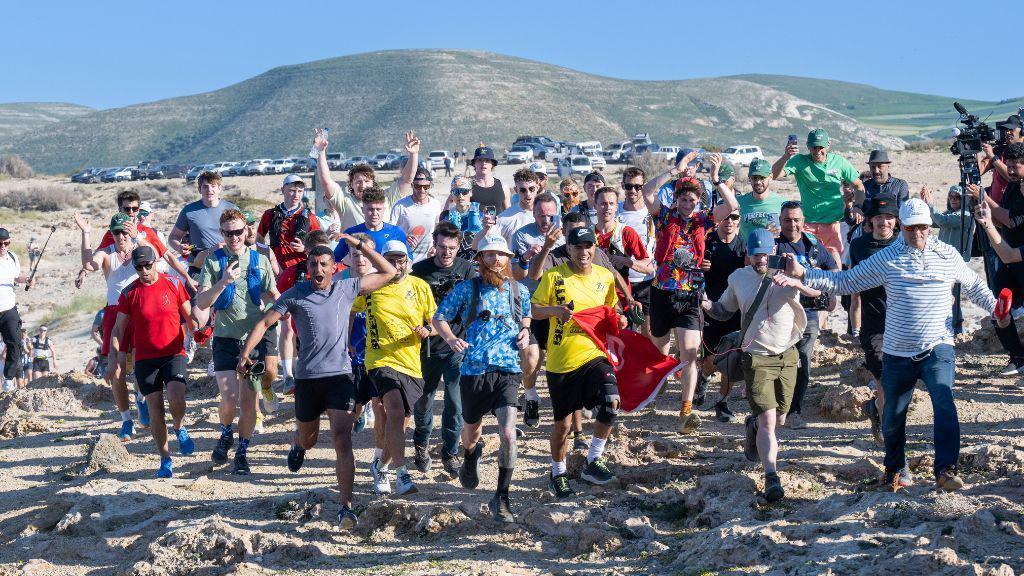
(232, 233)
(733, 217)
(143, 266)
(129, 209)
(120, 232)
(527, 189)
(632, 186)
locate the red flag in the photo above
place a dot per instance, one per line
(640, 372)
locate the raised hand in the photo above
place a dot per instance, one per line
(926, 195)
(983, 214)
(412, 143)
(974, 190)
(319, 139)
(82, 222)
(551, 237)
(685, 160)
(792, 150)
(715, 160)
(231, 273)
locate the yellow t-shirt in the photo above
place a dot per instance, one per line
(392, 311)
(569, 347)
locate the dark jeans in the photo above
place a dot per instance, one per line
(435, 369)
(10, 330)
(899, 375)
(805, 348)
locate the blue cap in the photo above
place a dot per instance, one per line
(760, 241)
(685, 151)
(484, 153)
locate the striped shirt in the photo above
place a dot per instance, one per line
(919, 292)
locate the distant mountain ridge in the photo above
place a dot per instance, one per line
(456, 99)
(20, 117)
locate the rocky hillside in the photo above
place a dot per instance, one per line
(21, 117)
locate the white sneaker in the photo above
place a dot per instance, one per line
(270, 400)
(1012, 369)
(259, 423)
(404, 484)
(209, 369)
(380, 478)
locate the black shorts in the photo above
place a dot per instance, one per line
(664, 316)
(153, 374)
(40, 364)
(714, 330)
(539, 332)
(385, 379)
(227, 350)
(270, 338)
(365, 390)
(871, 343)
(315, 395)
(642, 294)
(584, 387)
(488, 392)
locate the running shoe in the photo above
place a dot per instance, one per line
(560, 484)
(948, 480)
(773, 491)
(347, 519)
(501, 509)
(224, 443)
(380, 477)
(143, 408)
(259, 423)
(795, 421)
(241, 465)
(1016, 366)
(296, 456)
(468, 473)
(723, 413)
(906, 478)
(270, 400)
(404, 484)
(700, 393)
(186, 445)
(127, 430)
(166, 469)
(580, 441)
(688, 423)
(422, 458)
(289, 385)
(597, 472)
(531, 414)
(451, 465)
(750, 439)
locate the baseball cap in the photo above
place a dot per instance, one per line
(293, 178)
(760, 241)
(42, 328)
(594, 176)
(817, 137)
(4, 234)
(1011, 122)
(143, 255)
(883, 204)
(759, 167)
(914, 212)
(581, 235)
(494, 243)
(249, 218)
(145, 208)
(461, 183)
(395, 247)
(726, 171)
(539, 168)
(119, 221)
(956, 189)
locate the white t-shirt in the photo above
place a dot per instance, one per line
(417, 220)
(512, 219)
(121, 275)
(639, 220)
(10, 268)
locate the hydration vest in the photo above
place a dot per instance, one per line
(253, 280)
(277, 218)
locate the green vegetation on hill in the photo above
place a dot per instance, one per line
(20, 117)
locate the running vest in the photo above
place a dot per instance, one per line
(493, 195)
(40, 348)
(277, 218)
(253, 279)
(121, 275)
(615, 247)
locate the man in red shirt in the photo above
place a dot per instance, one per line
(624, 246)
(155, 306)
(285, 226)
(296, 272)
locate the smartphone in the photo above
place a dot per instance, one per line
(490, 211)
(792, 140)
(776, 262)
(232, 260)
(552, 219)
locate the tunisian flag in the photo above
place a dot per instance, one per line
(640, 368)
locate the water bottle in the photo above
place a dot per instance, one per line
(314, 152)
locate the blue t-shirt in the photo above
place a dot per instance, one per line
(380, 237)
(492, 341)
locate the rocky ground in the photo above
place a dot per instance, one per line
(77, 501)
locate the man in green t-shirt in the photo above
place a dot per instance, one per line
(820, 175)
(760, 208)
(238, 283)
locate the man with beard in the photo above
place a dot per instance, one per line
(439, 361)
(633, 213)
(760, 208)
(591, 183)
(568, 194)
(417, 215)
(769, 357)
(881, 182)
(495, 310)
(579, 374)
(320, 308)
(527, 187)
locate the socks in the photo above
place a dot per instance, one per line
(531, 394)
(687, 408)
(286, 366)
(243, 446)
(596, 448)
(227, 430)
(126, 415)
(557, 468)
(378, 452)
(504, 480)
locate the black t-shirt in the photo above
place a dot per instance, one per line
(872, 302)
(725, 259)
(810, 254)
(441, 281)
(1013, 201)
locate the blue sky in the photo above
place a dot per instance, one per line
(109, 54)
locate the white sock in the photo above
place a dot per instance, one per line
(126, 415)
(557, 468)
(596, 448)
(531, 394)
(286, 366)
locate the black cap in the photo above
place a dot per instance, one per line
(878, 157)
(594, 176)
(581, 235)
(883, 204)
(1012, 122)
(4, 234)
(143, 255)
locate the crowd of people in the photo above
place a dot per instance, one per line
(374, 300)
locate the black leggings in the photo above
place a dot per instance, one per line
(10, 329)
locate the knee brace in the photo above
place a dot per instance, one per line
(608, 409)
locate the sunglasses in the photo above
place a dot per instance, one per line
(461, 191)
(421, 186)
(629, 187)
(733, 217)
(571, 192)
(120, 232)
(790, 204)
(917, 228)
(232, 233)
(526, 189)
(5, 243)
(143, 266)
(129, 209)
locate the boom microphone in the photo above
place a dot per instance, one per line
(960, 108)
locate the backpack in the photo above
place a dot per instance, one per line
(253, 280)
(277, 218)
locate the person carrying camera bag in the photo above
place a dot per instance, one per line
(769, 357)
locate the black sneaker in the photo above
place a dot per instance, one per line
(220, 452)
(560, 484)
(722, 412)
(296, 456)
(501, 509)
(700, 393)
(597, 472)
(422, 458)
(347, 519)
(241, 466)
(773, 491)
(531, 414)
(451, 465)
(750, 440)
(468, 476)
(871, 409)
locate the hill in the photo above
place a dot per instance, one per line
(451, 98)
(22, 117)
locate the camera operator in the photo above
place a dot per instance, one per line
(994, 158)
(679, 252)
(810, 253)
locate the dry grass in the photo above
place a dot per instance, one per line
(652, 165)
(40, 196)
(15, 167)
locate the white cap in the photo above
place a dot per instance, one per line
(539, 168)
(395, 247)
(293, 178)
(494, 243)
(914, 212)
(145, 207)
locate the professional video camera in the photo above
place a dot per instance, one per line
(968, 140)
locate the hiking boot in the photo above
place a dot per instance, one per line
(224, 443)
(890, 481)
(700, 393)
(166, 469)
(501, 509)
(422, 458)
(270, 400)
(531, 414)
(186, 445)
(795, 421)
(871, 409)
(688, 423)
(380, 478)
(127, 430)
(143, 408)
(560, 484)
(296, 456)
(773, 491)
(579, 441)
(451, 465)
(597, 472)
(347, 519)
(404, 484)
(241, 465)
(750, 439)
(468, 474)
(289, 385)
(948, 480)
(722, 412)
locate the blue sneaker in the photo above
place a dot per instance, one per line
(186, 445)
(127, 430)
(361, 421)
(143, 408)
(166, 469)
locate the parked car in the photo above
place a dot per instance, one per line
(196, 170)
(258, 167)
(519, 154)
(436, 158)
(83, 175)
(578, 165)
(281, 166)
(222, 168)
(639, 150)
(666, 152)
(162, 171)
(615, 152)
(597, 161)
(641, 138)
(380, 161)
(742, 154)
(119, 174)
(236, 169)
(354, 161)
